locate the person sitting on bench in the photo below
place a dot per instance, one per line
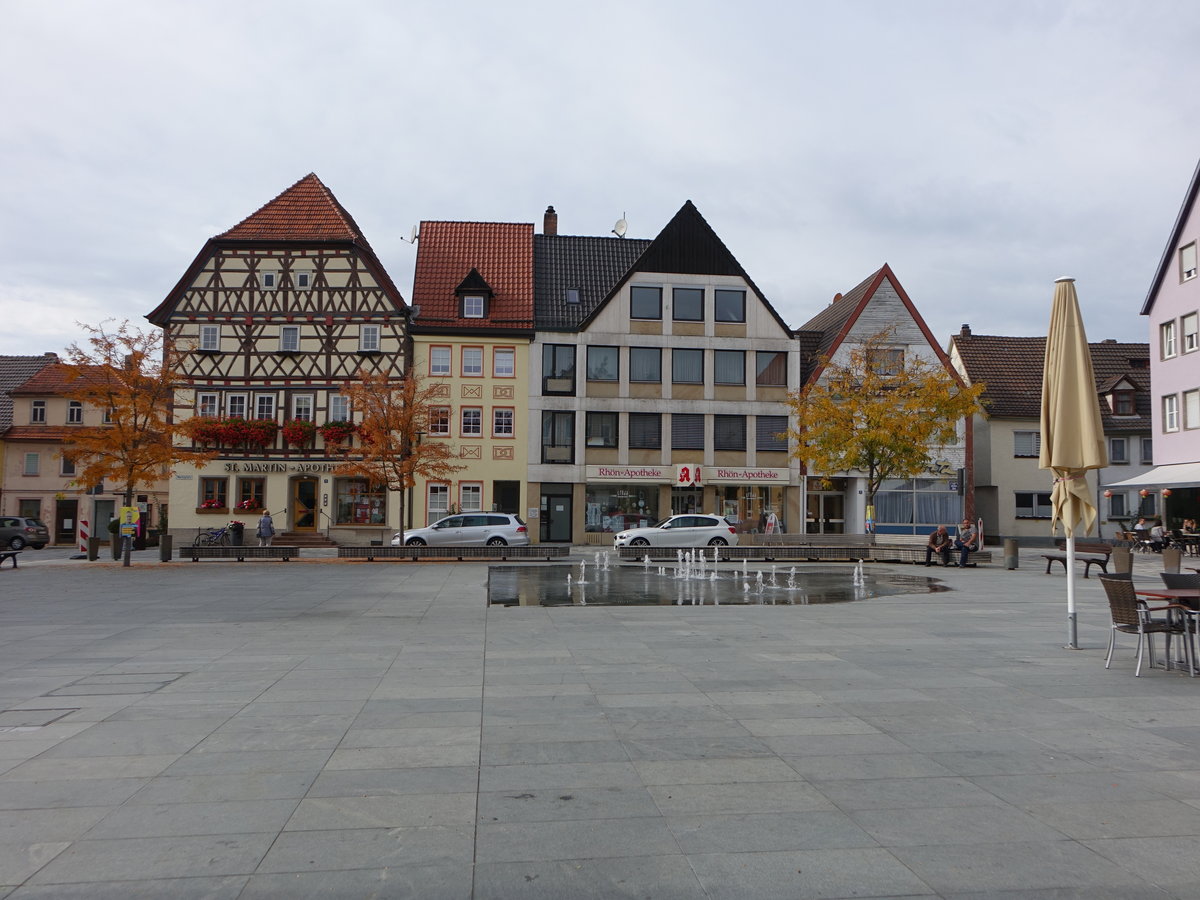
(966, 542)
(939, 543)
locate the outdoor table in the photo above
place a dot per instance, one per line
(1189, 597)
(1191, 543)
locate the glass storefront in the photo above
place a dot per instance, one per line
(358, 504)
(616, 507)
(904, 503)
(748, 505)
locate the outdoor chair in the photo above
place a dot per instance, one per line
(1131, 616)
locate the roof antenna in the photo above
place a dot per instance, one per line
(621, 227)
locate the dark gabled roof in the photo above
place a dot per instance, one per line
(1011, 368)
(828, 328)
(589, 265)
(15, 371)
(1168, 257)
(494, 256)
(687, 245)
(306, 214)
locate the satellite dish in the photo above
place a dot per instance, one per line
(413, 235)
(621, 227)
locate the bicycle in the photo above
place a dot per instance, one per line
(212, 537)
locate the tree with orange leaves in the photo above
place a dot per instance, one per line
(125, 371)
(392, 412)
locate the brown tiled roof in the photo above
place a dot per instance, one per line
(832, 320)
(307, 211)
(501, 252)
(1011, 367)
(39, 433)
(15, 371)
(57, 379)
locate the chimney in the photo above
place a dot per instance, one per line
(550, 221)
(966, 330)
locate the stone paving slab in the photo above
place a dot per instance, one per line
(343, 729)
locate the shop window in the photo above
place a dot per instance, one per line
(687, 431)
(613, 508)
(601, 429)
(687, 304)
(645, 431)
(645, 302)
(357, 502)
(213, 493)
(645, 364)
(602, 364)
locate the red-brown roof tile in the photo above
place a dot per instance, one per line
(307, 211)
(48, 433)
(502, 252)
(58, 378)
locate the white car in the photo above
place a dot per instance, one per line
(681, 531)
(469, 530)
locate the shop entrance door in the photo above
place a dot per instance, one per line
(304, 504)
(826, 514)
(65, 512)
(555, 516)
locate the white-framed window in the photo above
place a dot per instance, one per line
(1187, 262)
(1147, 451)
(1118, 505)
(502, 421)
(32, 465)
(472, 362)
(1190, 326)
(472, 306)
(264, 406)
(470, 496)
(289, 338)
(107, 417)
(66, 465)
(1027, 443)
(1118, 453)
(208, 405)
(439, 361)
(37, 412)
(1170, 412)
(268, 279)
(1033, 505)
(368, 339)
(1191, 409)
(504, 362)
(472, 421)
(339, 408)
(437, 501)
(1166, 333)
(74, 413)
(302, 279)
(210, 337)
(235, 406)
(302, 407)
(439, 420)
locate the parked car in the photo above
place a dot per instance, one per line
(17, 531)
(681, 531)
(468, 530)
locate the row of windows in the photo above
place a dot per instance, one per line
(1190, 407)
(270, 279)
(1029, 444)
(1169, 334)
(1037, 505)
(32, 465)
(688, 304)
(237, 406)
(441, 362)
(37, 413)
(645, 432)
(645, 365)
(289, 339)
(470, 421)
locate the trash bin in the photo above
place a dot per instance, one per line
(164, 548)
(237, 531)
(1011, 557)
(1172, 559)
(1122, 560)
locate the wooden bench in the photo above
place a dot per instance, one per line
(1100, 554)
(195, 554)
(10, 554)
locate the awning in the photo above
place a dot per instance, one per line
(1174, 475)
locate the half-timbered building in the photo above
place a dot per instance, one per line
(269, 323)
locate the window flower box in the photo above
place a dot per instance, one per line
(299, 432)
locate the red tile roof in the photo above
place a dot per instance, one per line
(307, 211)
(502, 252)
(47, 433)
(57, 379)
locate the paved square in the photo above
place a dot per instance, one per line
(347, 729)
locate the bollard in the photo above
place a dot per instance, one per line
(1011, 560)
(164, 548)
(1122, 560)
(93, 549)
(1171, 559)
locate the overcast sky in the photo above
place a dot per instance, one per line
(980, 149)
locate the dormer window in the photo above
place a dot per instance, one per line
(1123, 403)
(474, 296)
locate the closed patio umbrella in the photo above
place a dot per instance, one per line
(1072, 432)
